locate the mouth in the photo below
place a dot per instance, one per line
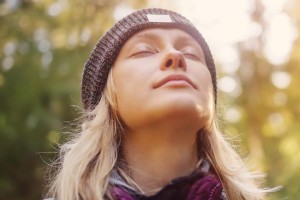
(177, 79)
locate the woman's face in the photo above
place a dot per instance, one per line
(161, 74)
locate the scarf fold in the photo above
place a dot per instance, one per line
(202, 184)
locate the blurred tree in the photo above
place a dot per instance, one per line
(268, 106)
(44, 46)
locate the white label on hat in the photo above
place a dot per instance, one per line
(159, 18)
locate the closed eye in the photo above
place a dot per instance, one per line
(191, 56)
(142, 53)
(191, 52)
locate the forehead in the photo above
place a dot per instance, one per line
(162, 30)
(162, 34)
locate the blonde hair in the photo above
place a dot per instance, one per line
(87, 160)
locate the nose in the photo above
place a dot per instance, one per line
(174, 59)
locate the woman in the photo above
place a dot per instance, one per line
(149, 94)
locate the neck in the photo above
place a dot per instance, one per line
(157, 154)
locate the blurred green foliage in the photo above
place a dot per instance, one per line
(269, 125)
(44, 45)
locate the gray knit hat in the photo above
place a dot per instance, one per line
(102, 58)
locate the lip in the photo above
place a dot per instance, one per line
(174, 77)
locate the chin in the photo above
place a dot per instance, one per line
(183, 106)
(183, 102)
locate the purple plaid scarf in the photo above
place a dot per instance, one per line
(202, 184)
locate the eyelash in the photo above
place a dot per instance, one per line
(143, 51)
(191, 55)
(147, 51)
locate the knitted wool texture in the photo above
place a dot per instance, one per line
(105, 52)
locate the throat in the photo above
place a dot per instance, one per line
(154, 159)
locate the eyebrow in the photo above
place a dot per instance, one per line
(182, 39)
(152, 36)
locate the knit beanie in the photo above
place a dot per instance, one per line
(105, 52)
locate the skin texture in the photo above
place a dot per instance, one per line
(164, 97)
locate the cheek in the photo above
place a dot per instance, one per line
(203, 78)
(130, 82)
(204, 82)
(132, 89)
(207, 88)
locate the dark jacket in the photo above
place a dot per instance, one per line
(202, 184)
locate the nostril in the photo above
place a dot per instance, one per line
(169, 63)
(181, 64)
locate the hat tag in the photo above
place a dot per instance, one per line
(159, 18)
